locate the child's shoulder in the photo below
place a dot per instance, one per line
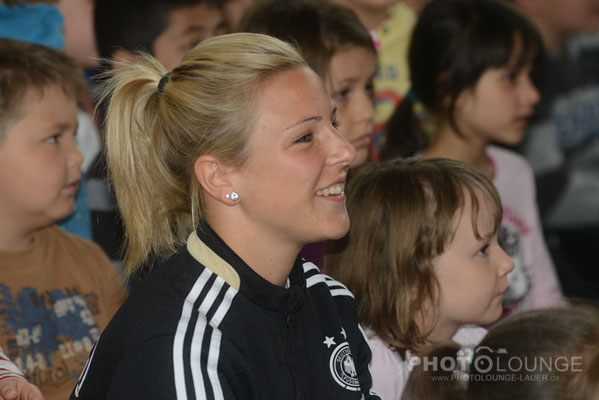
(506, 156)
(54, 237)
(469, 335)
(510, 167)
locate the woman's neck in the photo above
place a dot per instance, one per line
(265, 253)
(472, 150)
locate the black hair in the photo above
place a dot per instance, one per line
(453, 43)
(134, 25)
(318, 28)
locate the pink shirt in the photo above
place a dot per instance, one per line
(390, 373)
(533, 282)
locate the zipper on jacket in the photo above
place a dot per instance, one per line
(286, 323)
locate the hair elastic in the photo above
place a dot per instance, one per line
(163, 81)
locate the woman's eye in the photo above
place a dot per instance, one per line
(335, 122)
(305, 138)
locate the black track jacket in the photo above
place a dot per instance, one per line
(204, 325)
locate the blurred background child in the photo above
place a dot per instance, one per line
(471, 77)
(562, 140)
(538, 354)
(390, 23)
(338, 47)
(421, 258)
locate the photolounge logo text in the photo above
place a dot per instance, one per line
(484, 363)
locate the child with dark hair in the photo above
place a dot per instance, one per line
(421, 258)
(166, 29)
(471, 87)
(538, 354)
(57, 290)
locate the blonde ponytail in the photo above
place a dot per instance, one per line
(153, 137)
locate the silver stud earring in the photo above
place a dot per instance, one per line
(233, 196)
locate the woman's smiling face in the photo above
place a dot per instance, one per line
(292, 184)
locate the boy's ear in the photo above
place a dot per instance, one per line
(121, 57)
(213, 177)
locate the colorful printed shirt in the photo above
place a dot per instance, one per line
(55, 298)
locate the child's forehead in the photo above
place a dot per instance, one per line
(482, 212)
(48, 92)
(44, 100)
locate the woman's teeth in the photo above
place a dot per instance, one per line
(330, 191)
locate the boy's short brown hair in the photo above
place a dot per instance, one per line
(26, 65)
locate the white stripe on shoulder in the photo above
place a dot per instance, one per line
(214, 347)
(182, 326)
(310, 266)
(337, 288)
(198, 335)
(199, 332)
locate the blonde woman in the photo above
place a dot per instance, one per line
(223, 169)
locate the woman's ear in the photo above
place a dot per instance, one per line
(213, 176)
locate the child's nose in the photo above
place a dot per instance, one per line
(506, 264)
(75, 156)
(531, 93)
(365, 109)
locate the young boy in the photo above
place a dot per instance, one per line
(165, 28)
(57, 290)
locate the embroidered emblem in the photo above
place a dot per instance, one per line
(343, 368)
